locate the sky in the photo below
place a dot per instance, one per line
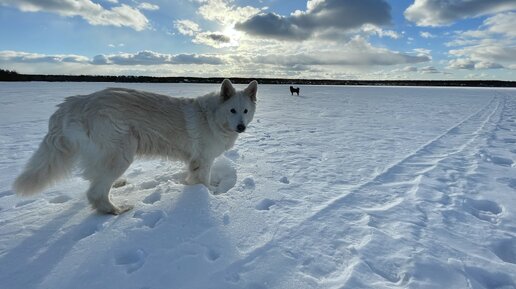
(324, 39)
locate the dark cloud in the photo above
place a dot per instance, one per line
(139, 58)
(196, 59)
(444, 12)
(218, 37)
(100, 59)
(273, 26)
(321, 16)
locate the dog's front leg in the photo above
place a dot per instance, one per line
(199, 171)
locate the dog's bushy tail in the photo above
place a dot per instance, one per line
(51, 162)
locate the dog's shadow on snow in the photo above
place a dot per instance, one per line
(183, 225)
(26, 265)
(183, 232)
(183, 236)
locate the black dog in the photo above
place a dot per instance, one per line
(292, 90)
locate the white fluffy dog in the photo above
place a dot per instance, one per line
(104, 131)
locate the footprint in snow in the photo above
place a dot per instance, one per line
(131, 260)
(152, 198)
(508, 181)
(149, 219)
(486, 278)
(504, 162)
(265, 204)
(248, 183)
(232, 155)
(483, 209)
(212, 255)
(505, 250)
(90, 228)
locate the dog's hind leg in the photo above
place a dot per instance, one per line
(98, 196)
(103, 173)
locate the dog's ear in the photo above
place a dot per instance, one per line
(227, 90)
(251, 90)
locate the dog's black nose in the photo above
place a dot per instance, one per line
(240, 128)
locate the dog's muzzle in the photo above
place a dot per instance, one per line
(240, 128)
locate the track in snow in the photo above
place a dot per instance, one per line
(392, 204)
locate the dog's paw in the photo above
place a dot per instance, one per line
(122, 209)
(116, 210)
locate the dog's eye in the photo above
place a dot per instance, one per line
(245, 110)
(233, 110)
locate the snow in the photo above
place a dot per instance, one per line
(340, 187)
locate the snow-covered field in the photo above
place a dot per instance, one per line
(341, 187)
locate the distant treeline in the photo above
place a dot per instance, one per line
(8, 75)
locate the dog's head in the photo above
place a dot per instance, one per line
(237, 108)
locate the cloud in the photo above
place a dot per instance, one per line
(93, 13)
(15, 56)
(502, 24)
(429, 70)
(273, 26)
(488, 54)
(372, 29)
(495, 27)
(224, 12)
(445, 12)
(409, 69)
(465, 63)
(187, 27)
(148, 6)
(426, 34)
(100, 60)
(196, 59)
(153, 58)
(357, 52)
(492, 46)
(320, 17)
(213, 39)
(139, 58)
(112, 45)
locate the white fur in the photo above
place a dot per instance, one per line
(104, 131)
